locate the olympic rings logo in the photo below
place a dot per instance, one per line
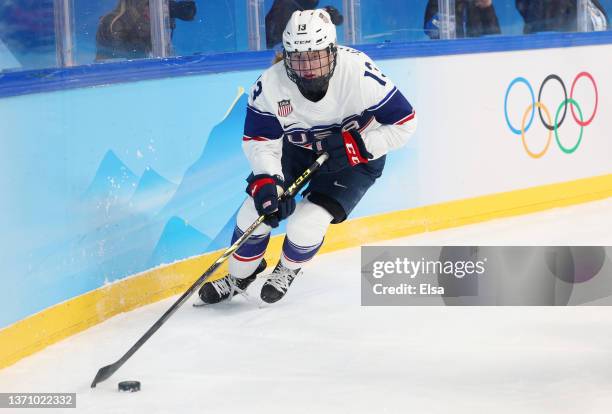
(548, 123)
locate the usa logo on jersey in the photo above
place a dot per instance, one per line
(284, 107)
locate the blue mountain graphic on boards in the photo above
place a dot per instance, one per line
(152, 193)
(114, 181)
(116, 217)
(135, 220)
(179, 240)
(224, 236)
(213, 187)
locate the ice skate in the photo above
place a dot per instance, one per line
(278, 283)
(228, 286)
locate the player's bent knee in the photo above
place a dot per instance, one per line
(309, 223)
(247, 215)
(330, 205)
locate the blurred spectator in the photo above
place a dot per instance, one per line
(597, 18)
(126, 31)
(182, 10)
(472, 18)
(27, 25)
(559, 15)
(281, 11)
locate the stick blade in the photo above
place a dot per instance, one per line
(104, 373)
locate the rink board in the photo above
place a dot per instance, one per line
(75, 315)
(107, 183)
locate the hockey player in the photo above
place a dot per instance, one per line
(319, 98)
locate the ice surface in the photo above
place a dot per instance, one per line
(319, 351)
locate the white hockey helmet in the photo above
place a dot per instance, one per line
(309, 30)
(310, 52)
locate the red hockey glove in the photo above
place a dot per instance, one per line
(346, 149)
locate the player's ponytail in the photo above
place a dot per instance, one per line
(277, 58)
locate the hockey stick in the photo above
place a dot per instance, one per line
(105, 372)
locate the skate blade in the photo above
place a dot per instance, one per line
(249, 299)
(202, 304)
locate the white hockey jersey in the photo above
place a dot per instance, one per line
(359, 97)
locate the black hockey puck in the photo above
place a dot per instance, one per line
(129, 386)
